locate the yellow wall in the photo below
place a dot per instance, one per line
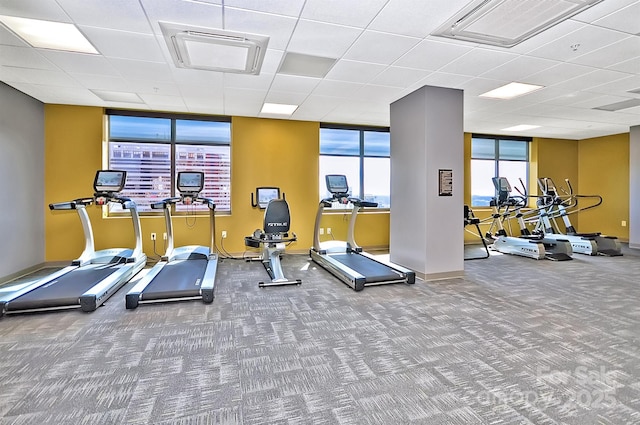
(263, 153)
(604, 170)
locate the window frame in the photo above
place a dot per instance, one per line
(173, 143)
(496, 158)
(362, 129)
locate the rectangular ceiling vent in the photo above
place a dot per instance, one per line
(506, 23)
(213, 49)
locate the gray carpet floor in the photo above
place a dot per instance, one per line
(516, 341)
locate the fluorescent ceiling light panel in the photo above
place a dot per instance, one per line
(213, 49)
(619, 105)
(506, 23)
(278, 108)
(306, 65)
(511, 90)
(117, 96)
(521, 127)
(49, 35)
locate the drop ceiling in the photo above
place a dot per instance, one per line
(383, 50)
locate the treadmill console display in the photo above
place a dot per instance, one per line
(266, 194)
(190, 181)
(109, 181)
(337, 184)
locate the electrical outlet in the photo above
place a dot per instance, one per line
(328, 230)
(322, 230)
(153, 236)
(624, 223)
(164, 236)
(224, 234)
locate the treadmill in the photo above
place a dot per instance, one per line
(346, 260)
(94, 276)
(183, 273)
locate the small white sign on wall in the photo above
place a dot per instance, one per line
(445, 182)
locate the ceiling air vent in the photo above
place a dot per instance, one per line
(506, 23)
(214, 50)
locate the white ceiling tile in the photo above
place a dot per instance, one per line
(587, 39)
(378, 47)
(440, 79)
(317, 106)
(8, 38)
(285, 97)
(336, 88)
(601, 10)
(125, 15)
(11, 74)
(630, 66)
(322, 39)
(519, 68)
(416, 18)
(395, 76)
(355, 13)
(134, 69)
(213, 90)
(49, 78)
(626, 19)
(34, 9)
(612, 54)
(375, 93)
(556, 74)
(153, 87)
(547, 36)
(478, 61)
(354, 71)
(620, 87)
(80, 63)
(205, 105)
(592, 79)
(597, 100)
(162, 101)
(243, 102)
(278, 7)
(254, 82)
(278, 28)
(125, 45)
(294, 84)
(24, 57)
(101, 82)
(187, 12)
(432, 55)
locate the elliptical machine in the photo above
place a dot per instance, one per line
(274, 236)
(506, 207)
(556, 206)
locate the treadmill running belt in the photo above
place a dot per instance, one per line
(178, 279)
(370, 269)
(63, 291)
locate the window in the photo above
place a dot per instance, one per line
(153, 148)
(363, 155)
(497, 156)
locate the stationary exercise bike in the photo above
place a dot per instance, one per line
(274, 236)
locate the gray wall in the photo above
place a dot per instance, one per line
(634, 187)
(22, 177)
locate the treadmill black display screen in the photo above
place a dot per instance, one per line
(109, 181)
(190, 181)
(337, 183)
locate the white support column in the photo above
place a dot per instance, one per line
(427, 147)
(634, 187)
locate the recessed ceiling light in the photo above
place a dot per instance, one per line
(521, 127)
(511, 90)
(278, 108)
(49, 35)
(117, 96)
